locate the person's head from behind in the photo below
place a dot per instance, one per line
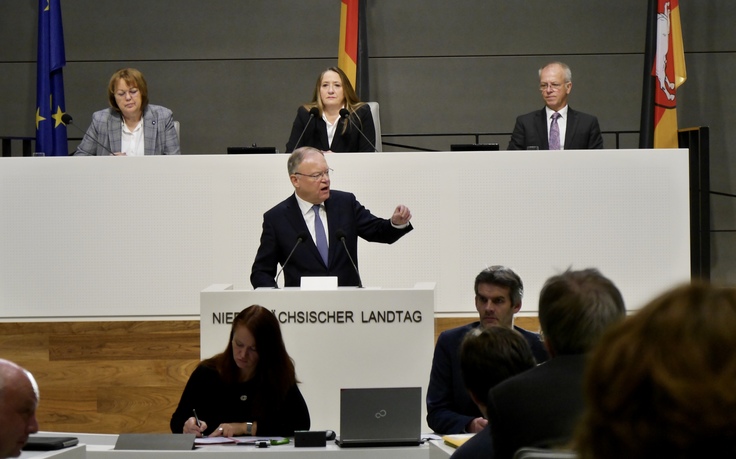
(333, 90)
(309, 174)
(498, 293)
(18, 403)
(127, 91)
(256, 349)
(663, 382)
(555, 84)
(575, 308)
(490, 355)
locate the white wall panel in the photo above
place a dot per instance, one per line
(130, 237)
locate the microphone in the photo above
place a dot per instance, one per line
(68, 121)
(345, 114)
(313, 113)
(340, 235)
(299, 239)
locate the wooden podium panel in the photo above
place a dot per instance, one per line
(348, 337)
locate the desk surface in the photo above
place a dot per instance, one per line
(439, 450)
(74, 452)
(273, 452)
(97, 446)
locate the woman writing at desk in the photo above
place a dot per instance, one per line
(318, 124)
(250, 389)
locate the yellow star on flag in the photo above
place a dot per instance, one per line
(39, 117)
(57, 116)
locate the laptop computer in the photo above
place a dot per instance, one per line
(41, 443)
(474, 147)
(387, 416)
(149, 442)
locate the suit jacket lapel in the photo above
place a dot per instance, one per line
(572, 125)
(321, 127)
(115, 131)
(296, 219)
(540, 122)
(340, 142)
(333, 224)
(150, 130)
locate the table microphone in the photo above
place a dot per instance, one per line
(68, 121)
(345, 114)
(299, 239)
(340, 235)
(313, 113)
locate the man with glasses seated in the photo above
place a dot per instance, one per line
(556, 126)
(312, 224)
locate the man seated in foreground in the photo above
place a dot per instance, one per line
(450, 410)
(542, 406)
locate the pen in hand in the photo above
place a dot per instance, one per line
(199, 424)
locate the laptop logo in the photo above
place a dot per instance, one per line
(381, 414)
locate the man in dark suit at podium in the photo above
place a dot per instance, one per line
(556, 126)
(313, 223)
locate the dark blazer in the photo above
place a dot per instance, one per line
(449, 406)
(217, 401)
(316, 133)
(159, 133)
(583, 131)
(284, 222)
(539, 407)
(479, 446)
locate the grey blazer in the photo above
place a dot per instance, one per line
(159, 133)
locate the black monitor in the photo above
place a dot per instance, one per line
(474, 147)
(250, 150)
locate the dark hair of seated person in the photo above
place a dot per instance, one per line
(275, 373)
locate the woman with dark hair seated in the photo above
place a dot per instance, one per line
(249, 389)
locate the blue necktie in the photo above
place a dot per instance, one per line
(319, 232)
(554, 133)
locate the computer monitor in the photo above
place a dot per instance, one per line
(474, 147)
(250, 150)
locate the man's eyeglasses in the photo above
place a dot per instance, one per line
(552, 86)
(317, 175)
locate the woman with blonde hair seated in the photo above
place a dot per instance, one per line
(321, 125)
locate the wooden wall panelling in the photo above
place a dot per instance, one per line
(118, 377)
(105, 377)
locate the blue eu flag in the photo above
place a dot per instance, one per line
(50, 106)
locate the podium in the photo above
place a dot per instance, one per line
(348, 337)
